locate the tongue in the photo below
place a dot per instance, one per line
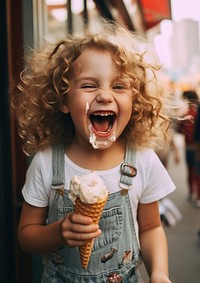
(101, 126)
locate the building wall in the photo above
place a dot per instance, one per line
(185, 43)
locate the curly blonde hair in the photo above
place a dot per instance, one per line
(45, 82)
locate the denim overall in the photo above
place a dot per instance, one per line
(115, 255)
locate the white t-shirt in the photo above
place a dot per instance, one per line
(151, 183)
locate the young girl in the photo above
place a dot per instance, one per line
(91, 103)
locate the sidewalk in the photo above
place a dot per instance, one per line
(183, 241)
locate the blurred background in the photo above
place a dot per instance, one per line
(172, 28)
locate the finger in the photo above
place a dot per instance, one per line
(83, 236)
(76, 240)
(68, 224)
(79, 228)
(78, 218)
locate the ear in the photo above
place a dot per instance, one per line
(63, 105)
(64, 108)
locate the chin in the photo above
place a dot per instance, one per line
(101, 144)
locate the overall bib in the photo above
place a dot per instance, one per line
(115, 255)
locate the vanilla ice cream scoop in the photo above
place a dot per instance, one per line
(90, 188)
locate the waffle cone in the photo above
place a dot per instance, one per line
(94, 211)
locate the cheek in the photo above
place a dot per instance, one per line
(125, 114)
(126, 107)
(78, 110)
(78, 104)
(82, 108)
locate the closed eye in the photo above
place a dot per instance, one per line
(120, 86)
(90, 86)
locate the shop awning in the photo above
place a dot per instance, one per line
(153, 12)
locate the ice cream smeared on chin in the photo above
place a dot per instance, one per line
(97, 141)
(89, 188)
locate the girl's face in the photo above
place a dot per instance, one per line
(99, 100)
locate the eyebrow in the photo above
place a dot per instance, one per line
(84, 78)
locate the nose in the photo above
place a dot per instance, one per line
(105, 96)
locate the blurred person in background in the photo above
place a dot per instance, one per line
(186, 127)
(197, 153)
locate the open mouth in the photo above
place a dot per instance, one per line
(102, 122)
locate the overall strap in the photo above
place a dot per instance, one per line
(128, 170)
(58, 157)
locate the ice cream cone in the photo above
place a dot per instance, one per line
(94, 211)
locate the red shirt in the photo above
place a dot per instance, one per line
(187, 125)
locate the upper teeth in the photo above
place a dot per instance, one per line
(103, 114)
